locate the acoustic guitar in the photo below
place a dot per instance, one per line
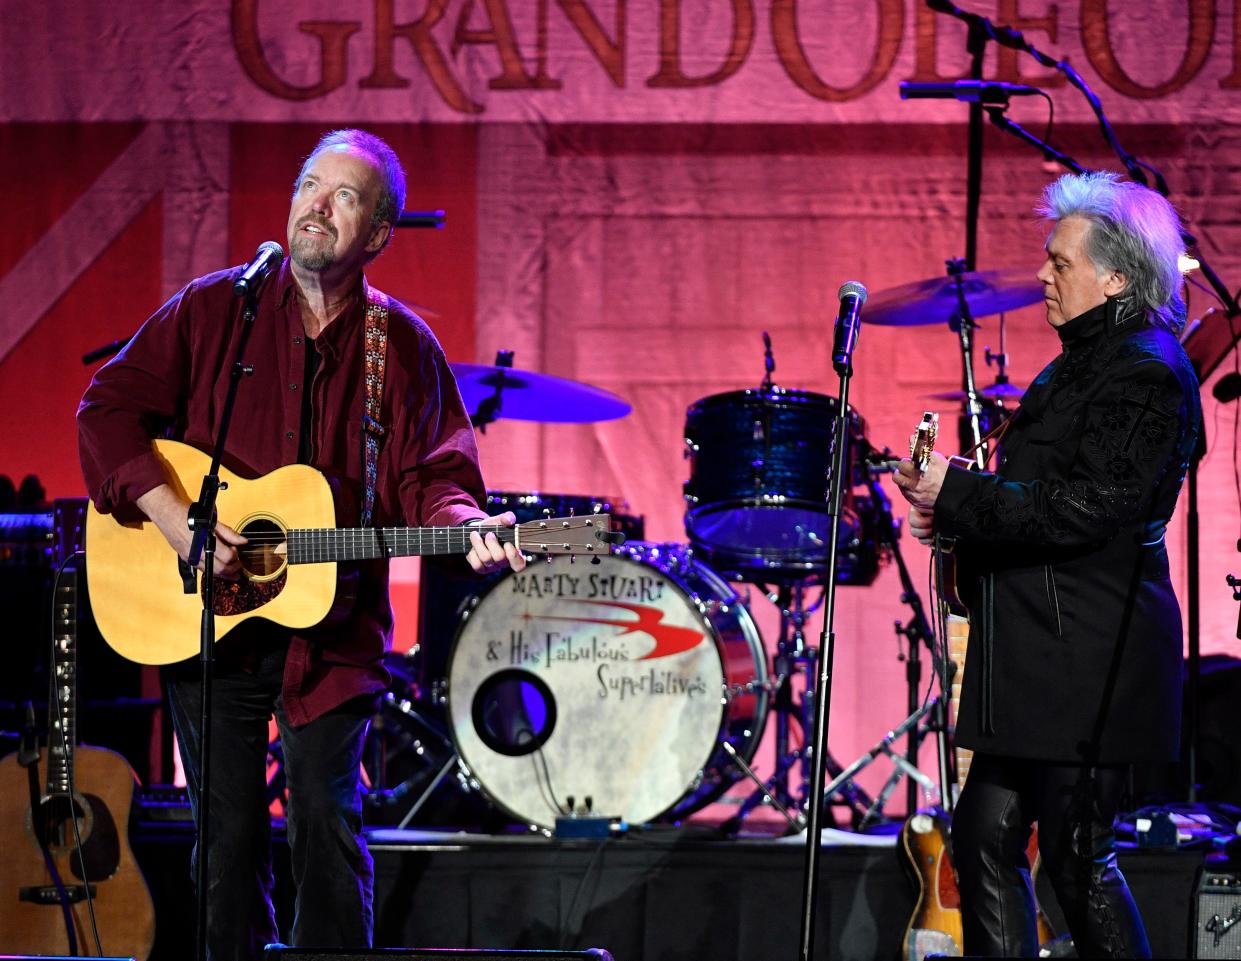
(290, 573)
(926, 837)
(86, 801)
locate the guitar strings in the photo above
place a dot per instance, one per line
(339, 533)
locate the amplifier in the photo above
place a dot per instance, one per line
(1216, 932)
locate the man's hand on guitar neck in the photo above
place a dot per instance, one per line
(921, 489)
(487, 554)
(170, 514)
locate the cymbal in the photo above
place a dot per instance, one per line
(1003, 391)
(934, 301)
(515, 394)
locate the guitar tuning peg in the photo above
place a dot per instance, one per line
(572, 558)
(596, 559)
(547, 512)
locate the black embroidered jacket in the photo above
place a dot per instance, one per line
(1075, 633)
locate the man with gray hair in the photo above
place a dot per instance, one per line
(345, 379)
(1074, 664)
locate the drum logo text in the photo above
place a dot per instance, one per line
(651, 684)
(614, 586)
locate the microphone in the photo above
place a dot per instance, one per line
(852, 296)
(269, 256)
(973, 91)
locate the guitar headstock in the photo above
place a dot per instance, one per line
(923, 440)
(584, 534)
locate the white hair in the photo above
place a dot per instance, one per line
(1133, 230)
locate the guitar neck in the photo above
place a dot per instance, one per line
(315, 546)
(62, 712)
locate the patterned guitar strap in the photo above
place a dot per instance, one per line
(372, 430)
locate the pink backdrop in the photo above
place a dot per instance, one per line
(635, 192)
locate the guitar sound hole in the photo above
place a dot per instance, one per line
(265, 554)
(57, 822)
(100, 856)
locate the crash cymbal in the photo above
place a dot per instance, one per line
(507, 393)
(934, 301)
(1003, 391)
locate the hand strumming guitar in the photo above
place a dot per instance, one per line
(170, 513)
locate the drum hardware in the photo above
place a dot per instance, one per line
(795, 656)
(797, 822)
(903, 768)
(404, 740)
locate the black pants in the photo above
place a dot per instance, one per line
(1075, 808)
(332, 869)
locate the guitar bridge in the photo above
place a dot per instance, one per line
(48, 895)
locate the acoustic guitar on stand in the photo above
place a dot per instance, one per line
(289, 567)
(69, 883)
(926, 837)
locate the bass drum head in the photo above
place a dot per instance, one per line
(611, 684)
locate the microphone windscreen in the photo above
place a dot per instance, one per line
(852, 287)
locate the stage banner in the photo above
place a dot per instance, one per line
(622, 61)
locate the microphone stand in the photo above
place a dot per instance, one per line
(816, 744)
(202, 520)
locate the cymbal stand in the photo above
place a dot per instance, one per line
(1000, 359)
(489, 408)
(963, 323)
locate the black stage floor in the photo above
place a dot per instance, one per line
(663, 895)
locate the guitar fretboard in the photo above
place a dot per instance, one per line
(368, 543)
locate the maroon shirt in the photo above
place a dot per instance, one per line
(174, 376)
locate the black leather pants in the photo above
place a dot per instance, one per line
(1074, 808)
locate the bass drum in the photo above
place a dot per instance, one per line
(611, 684)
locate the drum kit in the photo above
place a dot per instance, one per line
(638, 687)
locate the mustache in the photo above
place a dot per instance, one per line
(318, 222)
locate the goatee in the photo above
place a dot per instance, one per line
(309, 256)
